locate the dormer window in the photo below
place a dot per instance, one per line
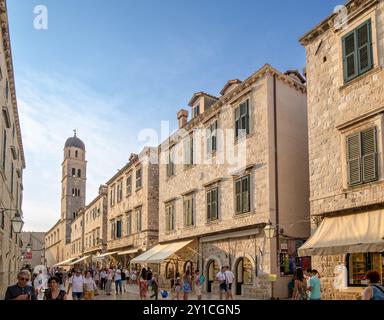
(196, 110)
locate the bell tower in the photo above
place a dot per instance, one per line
(73, 182)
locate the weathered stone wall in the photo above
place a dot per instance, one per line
(331, 103)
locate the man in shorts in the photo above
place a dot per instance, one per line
(222, 279)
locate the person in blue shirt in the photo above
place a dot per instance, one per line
(374, 291)
(314, 286)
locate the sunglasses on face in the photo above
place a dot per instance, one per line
(24, 279)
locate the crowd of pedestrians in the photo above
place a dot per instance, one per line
(50, 284)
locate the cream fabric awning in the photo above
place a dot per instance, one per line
(160, 252)
(100, 256)
(128, 252)
(354, 233)
(64, 263)
(79, 260)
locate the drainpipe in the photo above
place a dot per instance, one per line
(276, 168)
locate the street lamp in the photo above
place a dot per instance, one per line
(269, 231)
(17, 223)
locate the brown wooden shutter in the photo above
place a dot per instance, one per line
(354, 164)
(369, 155)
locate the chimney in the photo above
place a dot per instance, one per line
(103, 189)
(182, 117)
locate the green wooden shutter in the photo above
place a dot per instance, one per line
(209, 205)
(237, 121)
(185, 206)
(369, 155)
(192, 222)
(238, 196)
(349, 56)
(214, 204)
(245, 194)
(354, 156)
(247, 117)
(364, 47)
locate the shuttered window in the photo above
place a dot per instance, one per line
(188, 211)
(357, 51)
(362, 157)
(212, 138)
(118, 229)
(129, 185)
(170, 164)
(138, 220)
(242, 191)
(212, 205)
(129, 223)
(169, 217)
(242, 119)
(138, 178)
(188, 150)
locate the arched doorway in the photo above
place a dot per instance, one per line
(170, 272)
(188, 266)
(243, 274)
(212, 270)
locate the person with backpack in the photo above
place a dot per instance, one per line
(199, 281)
(374, 291)
(221, 277)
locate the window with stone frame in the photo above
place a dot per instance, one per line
(113, 192)
(211, 140)
(196, 110)
(170, 162)
(357, 51)
(119, 228)
(113, 229)
(138, 220)
(242, 120)
(119, 191)
(129, 185)
(170, 217)
(189, 207)
(188, 150)
(129, 223)
(2, 219)
(212, 204)
(4, 155)
(362, 157)
(97, 236)
(73, 172)
(139, 183)
(242, 195)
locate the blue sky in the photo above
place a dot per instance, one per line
(111, 69)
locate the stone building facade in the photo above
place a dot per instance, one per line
(12, 161)
(345, 76)
(239, 163)
(96, 224)
(133, 207)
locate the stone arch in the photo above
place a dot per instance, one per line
(243, 269)
(242, 254)
(189, 264)
(211, 265)
(170, 270)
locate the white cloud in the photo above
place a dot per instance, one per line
(50, 107)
